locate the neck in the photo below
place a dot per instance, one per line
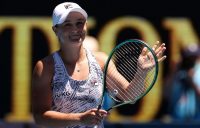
(72, 55)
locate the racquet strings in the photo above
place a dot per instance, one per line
(124, 60)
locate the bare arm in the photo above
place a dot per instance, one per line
(42, 98)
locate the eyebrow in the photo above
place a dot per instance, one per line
(81, 19)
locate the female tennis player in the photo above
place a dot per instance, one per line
(67, 85)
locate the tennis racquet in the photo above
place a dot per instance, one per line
(130, 72)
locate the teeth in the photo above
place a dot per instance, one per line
(75, 37)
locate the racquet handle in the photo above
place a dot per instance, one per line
(99, 107)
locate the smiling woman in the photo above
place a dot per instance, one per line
(21, 46)
(77, 70)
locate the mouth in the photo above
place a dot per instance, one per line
(75, 38)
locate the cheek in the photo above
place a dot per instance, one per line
(62, 36)
(61, 39)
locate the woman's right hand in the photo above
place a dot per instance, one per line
(93, 117)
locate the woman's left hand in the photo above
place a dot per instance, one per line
(146, 60)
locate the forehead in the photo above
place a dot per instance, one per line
(75, 16)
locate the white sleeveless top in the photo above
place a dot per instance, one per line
(76, 96)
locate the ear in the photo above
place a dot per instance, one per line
(54, 29)
(85, 28)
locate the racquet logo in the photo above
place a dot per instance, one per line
(67, 6)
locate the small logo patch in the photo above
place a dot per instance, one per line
(67, 6)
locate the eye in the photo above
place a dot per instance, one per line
(80, 24)
(67, 24)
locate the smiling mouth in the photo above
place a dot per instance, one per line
(75, 38)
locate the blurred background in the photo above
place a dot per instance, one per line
(26, 36)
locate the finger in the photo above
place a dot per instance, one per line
(162, 58)
(160, 48)
(99, 117)
(102, 113)
(149, 56)
(94, 110)
(144, 51)
(155, 45)
(160, 53)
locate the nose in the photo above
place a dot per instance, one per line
(74, 29)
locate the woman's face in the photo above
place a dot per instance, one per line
(73, 30)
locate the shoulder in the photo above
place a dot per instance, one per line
(44, 67)
(101, 58)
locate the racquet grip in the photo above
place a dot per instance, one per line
(99, 107)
